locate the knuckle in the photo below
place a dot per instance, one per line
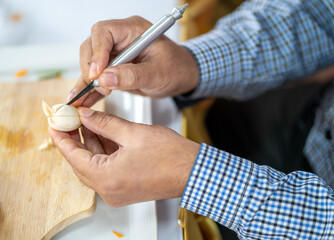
(84, 79)
(83, 46)
(117, 204)
(136, 18)
(109, 202)
(105, 121)
(114, 203)
(112, 188)
(85, 43)
(102, 25)
(100, 51)
(96, 26)
(141, 24)
(115, 187)
(159, 128)
(132, 77)
(108, 199)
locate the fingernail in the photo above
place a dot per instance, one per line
(85, 112)
(92, 70)
(109, 79)
(70, 95)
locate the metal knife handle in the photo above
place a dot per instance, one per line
(151, 34)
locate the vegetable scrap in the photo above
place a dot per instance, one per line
(16, 17)
(46, 144)
(118, 234)
(48, 74)
(21, 73)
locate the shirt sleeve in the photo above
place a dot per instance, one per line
(262, 45)
(259, 202)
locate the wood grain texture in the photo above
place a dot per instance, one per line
(39, 193)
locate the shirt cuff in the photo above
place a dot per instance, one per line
(196, 49)
(219, 186)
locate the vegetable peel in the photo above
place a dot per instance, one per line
(118, 234)
(21, 73)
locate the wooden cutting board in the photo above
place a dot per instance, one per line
(39, 193)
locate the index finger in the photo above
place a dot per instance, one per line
(102, 43)
(78, 157)
(86, 54)
(89, 98)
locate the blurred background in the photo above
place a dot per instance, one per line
(41, 39)
(68, 21)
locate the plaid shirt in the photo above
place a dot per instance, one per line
(263, 45)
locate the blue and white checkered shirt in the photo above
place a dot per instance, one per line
(263, 45)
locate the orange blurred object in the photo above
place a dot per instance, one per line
(21, 73)
(16, 17)
(118, 234)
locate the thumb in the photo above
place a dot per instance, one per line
(128, 76)
(105, 125)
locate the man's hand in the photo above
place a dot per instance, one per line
(162, 69)
(127, 162)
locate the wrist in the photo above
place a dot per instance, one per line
(190, 78)
(192, 149)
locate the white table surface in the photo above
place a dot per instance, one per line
(57, 28)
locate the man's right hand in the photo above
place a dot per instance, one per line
(163, 69)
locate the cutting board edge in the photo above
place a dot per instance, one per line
(70, 220)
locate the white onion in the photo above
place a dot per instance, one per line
(62, 117)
